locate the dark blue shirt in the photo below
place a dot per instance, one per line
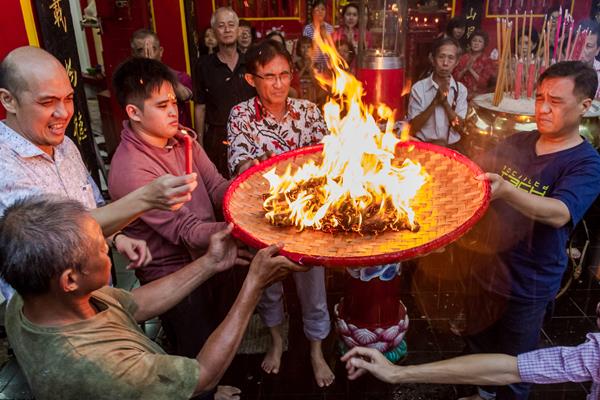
(531, 256)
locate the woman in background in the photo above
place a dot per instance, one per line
(475, 69)
(319, 11)
(209, 42)
(524, 43)
(456, 28)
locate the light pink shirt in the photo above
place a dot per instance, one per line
(26, 170)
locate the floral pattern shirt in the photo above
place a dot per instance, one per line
(253, 131)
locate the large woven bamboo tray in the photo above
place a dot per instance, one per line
(446, 207)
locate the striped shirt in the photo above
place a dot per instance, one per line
(562, 364)
(319, 59)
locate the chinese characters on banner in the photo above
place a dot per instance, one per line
(59, 19)
(58, 38)
(472, 10)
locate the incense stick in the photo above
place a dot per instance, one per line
(568, 51)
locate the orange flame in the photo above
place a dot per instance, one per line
(358, 183)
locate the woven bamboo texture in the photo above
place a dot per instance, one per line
(447, 205)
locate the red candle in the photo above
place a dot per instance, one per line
(530, 80)
(518, 80)
(188, 152)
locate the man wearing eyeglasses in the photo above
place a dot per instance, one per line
(273, 123)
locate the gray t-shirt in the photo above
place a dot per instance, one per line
(104, 357)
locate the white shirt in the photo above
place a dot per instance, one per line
(436, 128)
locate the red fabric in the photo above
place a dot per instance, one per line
(483, 66)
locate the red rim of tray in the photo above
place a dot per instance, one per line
(357, 261)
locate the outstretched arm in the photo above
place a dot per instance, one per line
(476, 369)
(221, 346)
(547, 210)
(166, 193)
(162, 294)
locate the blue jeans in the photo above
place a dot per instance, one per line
(515, 330)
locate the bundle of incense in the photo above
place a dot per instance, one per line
(546, 49)
(529, 35)
(504, 62)
(518, 78)
(568, 50)
(579, 45)
(562, 36)
(556, 34)
(517, 35)
(498, 39)
(541, 43)
(577, 35)
(510, 76)
(531, 73)
(528, 61)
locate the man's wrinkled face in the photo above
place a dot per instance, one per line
(226, 28)
(557, 109)
(445, 60)
(272, 81)
(590, 49)
(96, 271)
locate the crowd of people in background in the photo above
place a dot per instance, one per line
(253, 98)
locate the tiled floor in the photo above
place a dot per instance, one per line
(429, 339)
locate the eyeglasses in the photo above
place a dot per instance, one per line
(284, 77)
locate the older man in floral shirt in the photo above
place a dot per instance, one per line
(272, 123)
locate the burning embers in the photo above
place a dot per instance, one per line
(358, 185)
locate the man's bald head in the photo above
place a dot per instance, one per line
(22, 64)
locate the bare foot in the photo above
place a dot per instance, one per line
(323, 374)
(227, 393)
(472, 397)
(272, 359)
